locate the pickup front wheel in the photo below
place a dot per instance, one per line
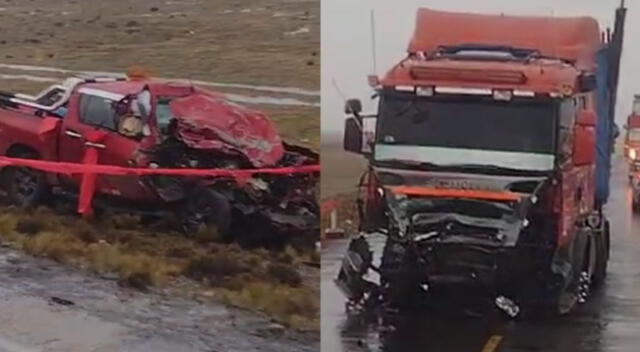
(26, 187)
(206, 208)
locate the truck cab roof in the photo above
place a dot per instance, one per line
(575, 39)
(535, 55)
(535, 76)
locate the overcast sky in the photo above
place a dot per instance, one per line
(347, 54)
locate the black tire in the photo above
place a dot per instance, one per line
(26, 187)
(566, 294)
(206, 207)
(602, 251)
(399, 281)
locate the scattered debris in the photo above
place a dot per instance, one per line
(508, 306)
(62, 301)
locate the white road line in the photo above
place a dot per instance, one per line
(29, 78)
(273, 89)
(238, 98)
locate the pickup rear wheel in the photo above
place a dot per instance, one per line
(206, 208)
(26, 187)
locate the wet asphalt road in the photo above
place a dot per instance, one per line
(609, 321)
(45, 306)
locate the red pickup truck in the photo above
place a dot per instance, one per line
(157, 124)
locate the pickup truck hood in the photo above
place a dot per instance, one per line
(210, 122)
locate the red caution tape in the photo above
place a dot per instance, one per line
(77, 168)
(89, 169)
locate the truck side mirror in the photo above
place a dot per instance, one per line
(352, 141)
(353, 107)
(587, 82)
(584, 145)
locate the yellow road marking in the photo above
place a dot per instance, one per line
(492, 343)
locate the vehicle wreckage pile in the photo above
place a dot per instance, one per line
(144, 123)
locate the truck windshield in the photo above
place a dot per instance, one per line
(519, 134)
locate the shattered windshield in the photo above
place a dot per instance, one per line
(163, 113)
(519, 134)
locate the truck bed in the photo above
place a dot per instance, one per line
(24, 127)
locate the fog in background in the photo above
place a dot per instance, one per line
(347, 53)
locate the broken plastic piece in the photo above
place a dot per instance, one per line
(508, 306)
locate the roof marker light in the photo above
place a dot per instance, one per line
(524, 93)
(460, 90)
(424, 91)
(502, 95)
(405, 88)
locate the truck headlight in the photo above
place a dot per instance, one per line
(633, 154)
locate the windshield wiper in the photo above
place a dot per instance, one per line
(411, 163)
(490, 168)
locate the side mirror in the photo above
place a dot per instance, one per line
(584, 145)
(352, 141)
(353, 107)
(587, 82)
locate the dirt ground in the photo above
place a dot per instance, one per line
(265, 52)
(272, 43)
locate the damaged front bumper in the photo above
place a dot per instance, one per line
(439, 243)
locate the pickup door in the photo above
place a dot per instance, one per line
(92, 109)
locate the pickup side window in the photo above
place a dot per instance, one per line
(97, 111)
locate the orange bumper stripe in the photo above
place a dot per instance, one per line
(456, 193)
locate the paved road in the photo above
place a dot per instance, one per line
(48, 307)
(610, 321)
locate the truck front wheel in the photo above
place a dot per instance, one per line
(399, 279)
(602, 255)
(26, 187)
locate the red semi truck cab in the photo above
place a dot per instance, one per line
(482, 165)
(157, 124)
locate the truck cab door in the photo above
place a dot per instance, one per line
(93, 109)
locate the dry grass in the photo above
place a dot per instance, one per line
(254, 279)
(228, 41)
(297, 125)
(287, 304)
(239, 41)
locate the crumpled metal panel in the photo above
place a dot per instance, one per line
(208, 122)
